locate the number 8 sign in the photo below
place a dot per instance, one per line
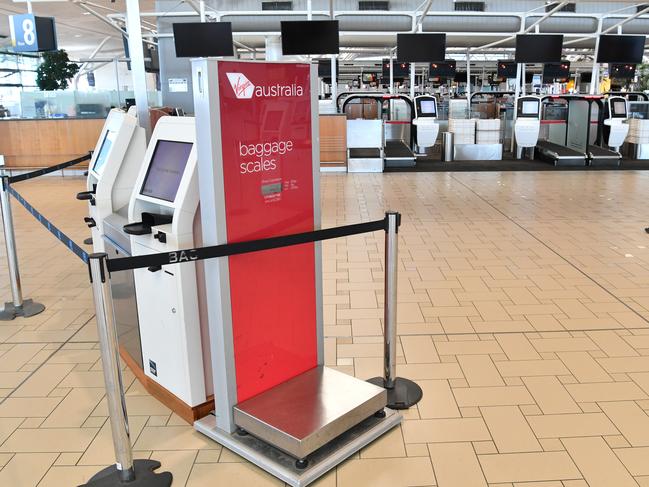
(25, 31)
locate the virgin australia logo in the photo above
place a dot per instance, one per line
(242, 86)
(244, 89)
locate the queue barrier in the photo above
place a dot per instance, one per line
(402, 393)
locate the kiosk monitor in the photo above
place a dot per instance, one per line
(104, 150)
(166, 169)
(428, 107)
(529, 108)
(618, 108)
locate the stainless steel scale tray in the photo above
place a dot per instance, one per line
(306, 412)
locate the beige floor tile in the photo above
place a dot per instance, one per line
(179, 463)
(445, 430)
(66, 476)
(43, 380)
(456, 464)
(386, 472)
(630, 419)
(517, 346)
(597, 462)
(479, 370)
(550, 395)
(49, 440)
(18, 356)
(605, 391)
(239, 474)
(528, 467)
(26, 469)
(531, 368)
(634, 459)
(584, 367)
(173, 438)
(419, 349)
(390, 445)
(25, 407)
(73, 411)
(567, 425)
(100, 451)
(492, 396)
(612, 344)
(510, 430)
(438, 400)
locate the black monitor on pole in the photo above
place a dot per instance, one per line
(620, 49)
(421, 48)
(538, 48)
(303, 37)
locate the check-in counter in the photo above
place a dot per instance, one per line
(333, 142)
(30, 143)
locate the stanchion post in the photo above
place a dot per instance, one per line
(126, 471)
(19, 306)
(402, 393)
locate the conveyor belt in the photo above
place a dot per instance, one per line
(599, 156)
(559, 155)
(398, 154)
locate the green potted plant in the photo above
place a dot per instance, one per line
(55, 71)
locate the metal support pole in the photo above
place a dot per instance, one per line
(391, 73)
(412, 81)
(18, 307)
(125, 471)
(402, 393)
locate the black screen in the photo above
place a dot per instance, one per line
(444, 69)
(400, 70)
(46, 32)
(507, 69)
(620, 49)
(203, 39)
(622, 71)
(538, 48)
(310, 37)
(460, 77)
(324, 68)
(560, 71)
(421, 48)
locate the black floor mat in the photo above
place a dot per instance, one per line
(435, 165)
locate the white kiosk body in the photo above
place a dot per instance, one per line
(528, 122)
(162, 213)
(112, 171)
(618, 128)
(426, 122)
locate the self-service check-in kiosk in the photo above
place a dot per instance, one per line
(276, 404)
(528, 124)
(615, 125)
(162, 215)
(425, 122)
(112, 172)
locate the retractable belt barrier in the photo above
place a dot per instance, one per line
(47, 170)
(201, 253)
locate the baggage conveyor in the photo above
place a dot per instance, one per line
(398, 154)
(559, 155)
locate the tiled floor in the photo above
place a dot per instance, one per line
(523, 314)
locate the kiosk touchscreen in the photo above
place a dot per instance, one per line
(162, 216)
(615, 127)
(425, 122)
(528, 121)
(112, 170)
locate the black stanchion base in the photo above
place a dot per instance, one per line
(144, 476)
(88, 241)
(29, 308)
(403, 395)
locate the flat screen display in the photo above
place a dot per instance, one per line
(421, 48)
(530, 107)
(622, 71)
(203, 39)
(620, 49)
(104, 150)
(619, 108)
(400, 70)
(368, 78)
(324, 68)
(559, 71)
(166, 169)
(538, 48)
(310, 37)
(428, 107)
(507, 69)
(444, 69)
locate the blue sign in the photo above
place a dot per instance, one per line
(23, 32)
(91, 79)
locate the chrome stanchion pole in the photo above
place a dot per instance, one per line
(126, 471)
(402, 393)
(19, 306)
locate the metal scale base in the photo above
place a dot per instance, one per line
(322, 416)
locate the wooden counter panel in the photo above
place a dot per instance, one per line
(333, 140)
(41, 143)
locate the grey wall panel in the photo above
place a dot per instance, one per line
(570, 24)
(474, 23)
(380, 23)
(635, 26)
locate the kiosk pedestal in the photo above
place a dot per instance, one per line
(258, 163)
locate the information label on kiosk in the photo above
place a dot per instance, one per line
(268, 179)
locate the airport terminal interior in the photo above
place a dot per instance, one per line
(338, 243)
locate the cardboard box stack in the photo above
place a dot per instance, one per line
(488, 131)
(638, 131)
(463, 131)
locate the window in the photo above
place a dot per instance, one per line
(569, 7)
(277, 5)
(373, 5)
(640, 8)
(469, 6)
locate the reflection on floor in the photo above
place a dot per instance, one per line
(523, 314)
